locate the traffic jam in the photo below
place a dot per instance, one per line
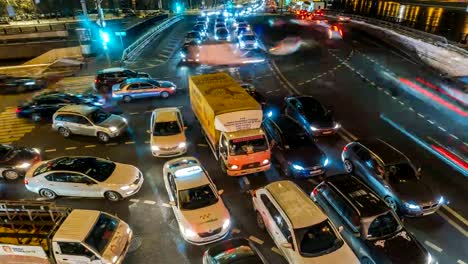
(353, 217)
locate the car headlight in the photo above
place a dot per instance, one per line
(125, 120)
(234, 167)
(325, 162)
(154, 148)
(430, 260)
(112, 129)
(441, 200)
(297, 167)
(189, 232)
(182, 145)
(198, 41)
(242, 44)
(313, 128)
(36, 150)
(265, 161)
(216, 37)
(226, 223)
(30, 83)
(412, 206)
(23, 165)
(124, 188)
(337, 125)
(255, 44)
(182, 55)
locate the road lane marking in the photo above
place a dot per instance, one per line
(129, 142)
(134, 113)
(349, 134)
(342, 135)
(455, 225)
(90, 146)
(149, 202)
(256, 240)
(455, 137)
(71, 148)
(443, 129)
(433, 246)
(202, 145)
(277, 251)
(454, 213)
(460, 261)
(411, 109)
(421, 115)
(235, 231)
(111, 144)
(50, 150)
(430, 121)
(166, 205)
(134, 200)
(401, 102)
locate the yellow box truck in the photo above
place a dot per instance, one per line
(231, 122)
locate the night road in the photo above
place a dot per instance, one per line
(373, 89)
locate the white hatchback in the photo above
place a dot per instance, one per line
(167, 132)
(84, 177)
(202, 216)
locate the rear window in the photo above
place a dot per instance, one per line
(318, 239)
(383, 226)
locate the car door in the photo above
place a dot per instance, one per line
(74, 253)
(57, 182)
(82, 186)
(133, 90)
(361, 161)
(173, 196)
(85, 127)
(375, 176)
(149, 90)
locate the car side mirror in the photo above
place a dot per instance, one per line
(286, 245)
(220, 192)
(172, 203)
(340, 229)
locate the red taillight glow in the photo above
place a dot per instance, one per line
(345, 148)
(96, 80)
(314, 192)
(335, 28)
(341, 33)
(254, 193)
(17, 110)
(26, 182)
(449, 155)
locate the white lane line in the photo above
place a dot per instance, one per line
(134, 200)
(349, 134)
(256, 240)
(70, 148)
(149, 202)
(421, 115)
(387, 92)
(50, 150)
(134, 113)
(276, 250)
(455, 137)
(401, 102)
(461, 261)
(301, 83)
(269, 92)
(430, 121)
(433, 246)
(111, 144)
(411, 109)
(202, 145)
(443, 129)
(451, 222)
(342, 135)
(235, 231)
(454, 213)
(246, 180)
(393, 97)
(166, 205)
(90, 146)
(129, 142)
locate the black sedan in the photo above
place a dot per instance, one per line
(44, 106)
(11, 84)
(15, 161)
(311, 114)
(235, 250)
(250, 89)
(294, 150)
(189, 52)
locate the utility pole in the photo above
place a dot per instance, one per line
(85, 10)
(100, 14)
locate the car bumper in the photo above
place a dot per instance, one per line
(134, 191)
(308, 172)
(207, 240)
(421, 212)
(324, 132)
(248, 171)
(169, 153)
(119, 132)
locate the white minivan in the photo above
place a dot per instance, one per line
(299, 228)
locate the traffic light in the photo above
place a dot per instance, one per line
(178, 8)
(105, 38)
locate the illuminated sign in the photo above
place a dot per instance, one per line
(189, 171)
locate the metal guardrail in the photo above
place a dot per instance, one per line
(141, 42)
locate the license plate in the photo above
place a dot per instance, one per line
(327, 132)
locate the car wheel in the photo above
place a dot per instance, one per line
(112, 196)
(348, 166)
(36, 117)
(391, 203)
(10, 175)
(103, 137)
(49, 194)
(65, 132)
(164, 95)
(260, 222)
(127, 98)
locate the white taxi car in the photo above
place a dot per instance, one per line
(84, 177)
(202, 216)
(167, 132)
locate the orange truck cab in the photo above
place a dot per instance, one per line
(231, 123)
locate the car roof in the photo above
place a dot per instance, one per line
(135, 80)
(77, 225)
(109, 70)
(387, 153)
(79, 109)
(166, 114)
(299, 208)
(358, 194)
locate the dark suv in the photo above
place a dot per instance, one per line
(106, 78)
(369, 226)
(294, 150)
(390, 174)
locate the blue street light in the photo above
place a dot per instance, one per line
(105, 38)
(178, 8)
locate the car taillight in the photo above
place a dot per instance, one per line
(26, 182)
(345, 148)
(96, 80)
(17, 110)
(314, 192)
(254, 193)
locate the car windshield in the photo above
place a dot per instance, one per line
(98, 169)
(101, 234)
(317, 240)
(195, 198)
(222, 32)
(401, 173)
(383, 225)
(4, 150)
(98, 116)
(312, 107)
(247, 145)
(248, 37)
(239, 255)
(166, 128)
(298, 139)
